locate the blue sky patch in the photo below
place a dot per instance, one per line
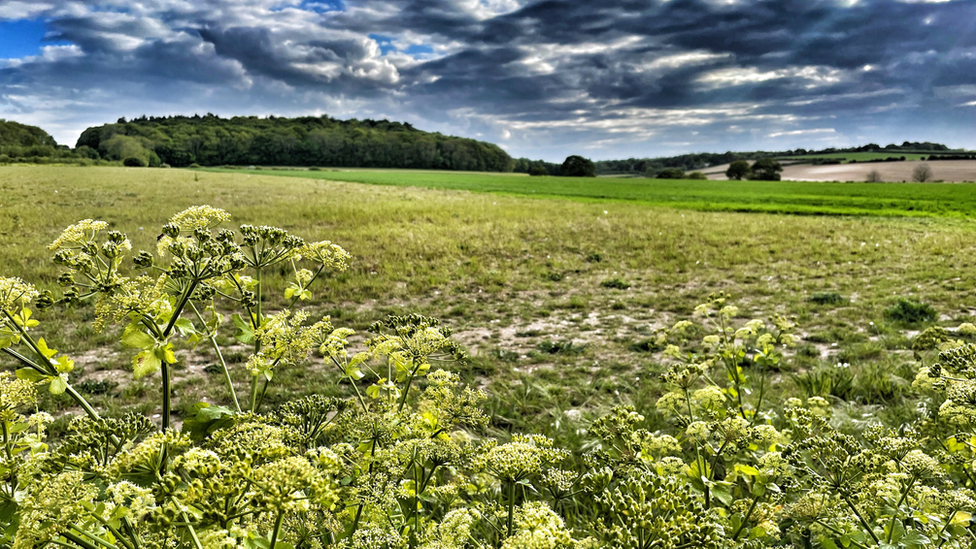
(22, 38)
(385, 42)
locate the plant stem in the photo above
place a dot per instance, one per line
(894, 515)
(860, 518)
(511, 506)
(52, 370)
(220, 356)
(745, 519)
(277, 527)
(166, 395)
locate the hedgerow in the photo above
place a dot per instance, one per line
(406, 460)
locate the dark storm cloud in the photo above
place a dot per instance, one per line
(608, 78)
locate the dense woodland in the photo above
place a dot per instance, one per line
(308, 141)
(23, 143)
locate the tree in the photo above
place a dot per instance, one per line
(577, 166)
(874, 176)
(538, 170)
(671, 173)
(766, 169)
(738, 170)
(922, 173)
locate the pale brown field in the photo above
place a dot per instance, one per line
(944, 170)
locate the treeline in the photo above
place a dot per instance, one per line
(651, 167)
(23, 143)
(273, 141)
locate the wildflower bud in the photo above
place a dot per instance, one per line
(178, 269)
(237, 262)
(143, 260)
(90, 248)
(171, 230)
(249, 234)
(248, 298)
(204, 292)
(177, 248)
(110, 250)
(63, 258)
(292, 242)
(212, 248)
(70, 297)
(65, 280)
(45, 300)
(194, 253)
(225, 235)
(116, 237)
(202, 235)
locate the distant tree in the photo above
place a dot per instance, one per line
(538, 170)
(766, 169)
(922, 173)
(134, 162)
(696, 175)
(874, 176)
(577, 166)
(738, 170)
(671, 173)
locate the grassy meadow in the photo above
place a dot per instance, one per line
(791, 197)
(556, 295)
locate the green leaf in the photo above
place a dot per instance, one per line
(145, 363)
(42, 347)
(165, 354)
(135, 338)
(245, 334)
(746, 469)
(58, 385)
(207, 420)
(30, 374)
(185, 326)
(64, 365)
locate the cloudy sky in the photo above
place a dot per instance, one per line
(542, 78)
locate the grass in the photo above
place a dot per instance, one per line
(523, 280)
(793, 197)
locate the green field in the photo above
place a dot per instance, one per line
(863, 199)
(559, 298)
(512, 273)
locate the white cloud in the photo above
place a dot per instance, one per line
(814, 131)
(812, 75)
(22, 10)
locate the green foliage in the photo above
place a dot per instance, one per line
(766, 169)
(696, 175)
(577, 166)
(827, 298)
(911, 312)
(407, 462)
(133, 162)
(738, 170)
(830, 381)
(671, 173)
(308, 141)
(615, 283)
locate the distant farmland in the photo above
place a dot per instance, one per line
(794, 197)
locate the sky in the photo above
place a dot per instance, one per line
(542, 78)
